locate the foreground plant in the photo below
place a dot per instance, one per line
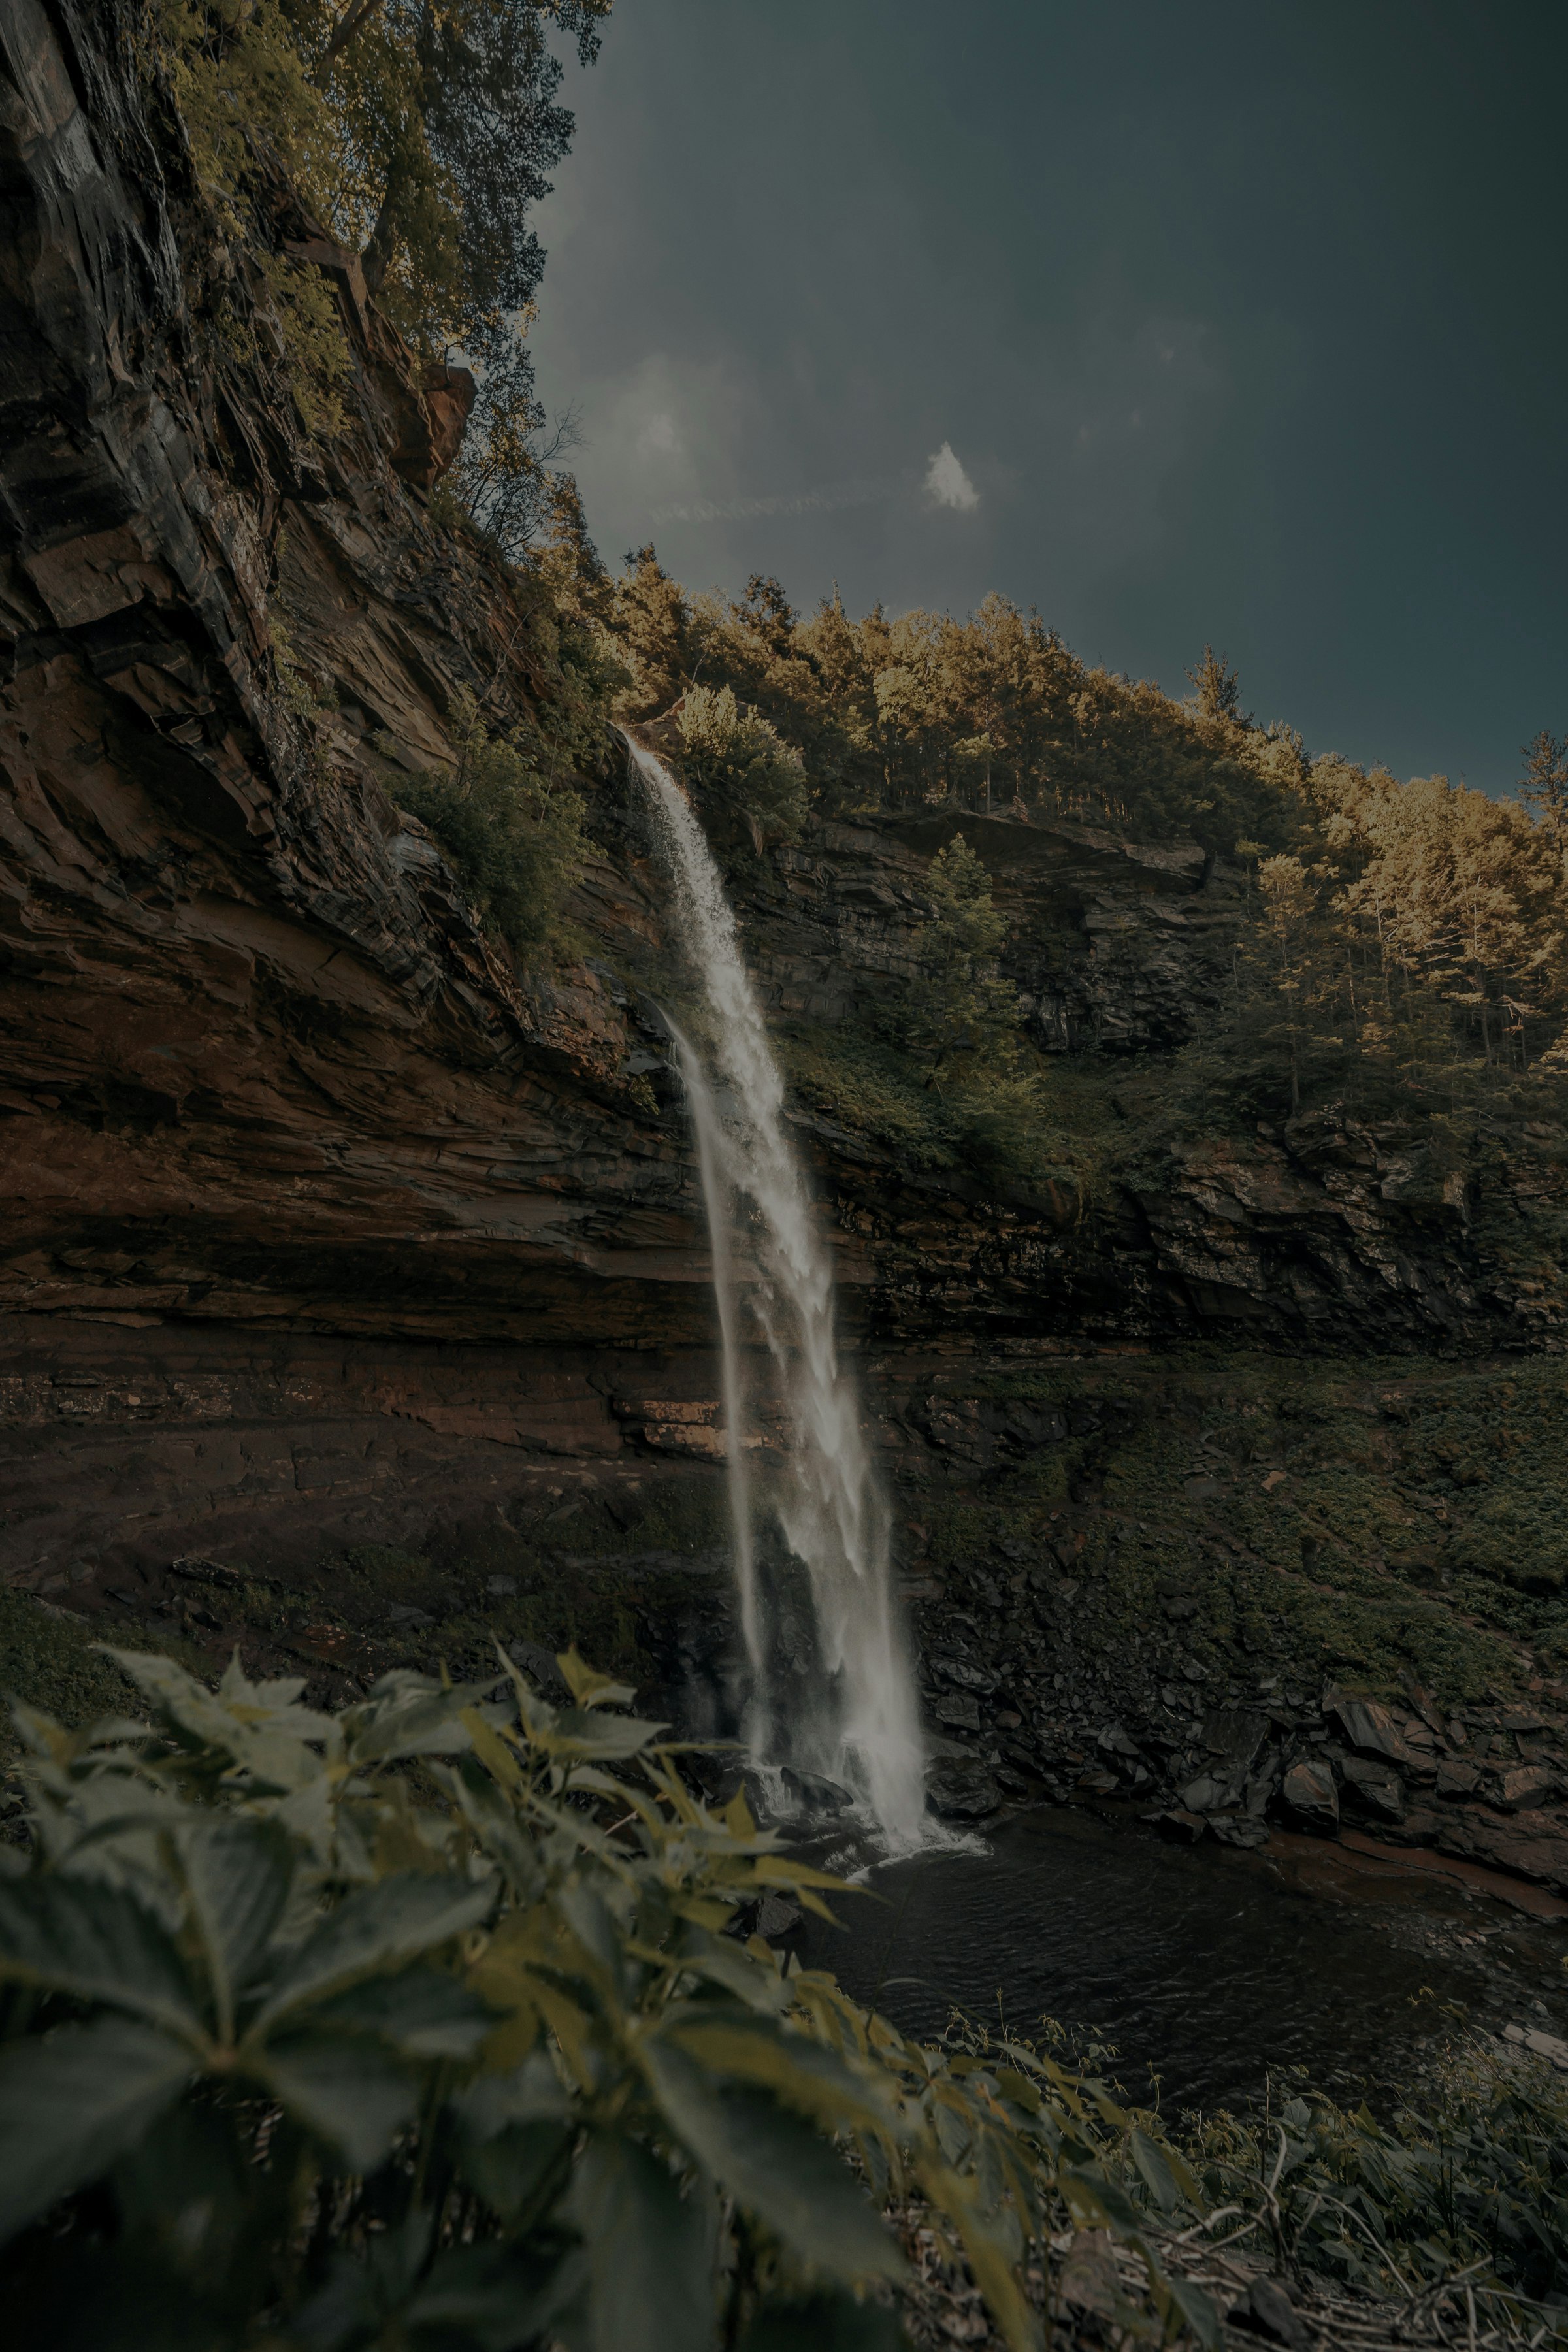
(1468, 2180)
(431, 2023)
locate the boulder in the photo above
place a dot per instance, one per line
(1235, 1733)
(1377, 1785)
(776, 1916)
(966, 1676)
(1181, 1827)
(1457, 1779)
(1238, 1829)
(1525, 1786)
(1371, 1728)
(1311, 1793)
(1530, 1844)
(960, 1709)
(814, 1792)
(962, 1791)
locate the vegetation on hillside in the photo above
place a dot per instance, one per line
(1399, 949)
(510, 822)
(422, 139)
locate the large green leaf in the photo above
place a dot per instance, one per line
(96, 1942)
(180, 2189)
(500, 2298)
(376, 1928)
(71, 2102)
(779, 2168)
(531, 2092)
(478, 2298)
(237, 1875)
(349, 2094)
(1151, 2160)
(648, 2252)
(826, 2323)
(273, 1740)
(755, 2050)
(578, 1732)
(421, 2011)
(513, 2169)
(407, 1715)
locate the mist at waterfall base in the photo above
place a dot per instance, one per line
(831, 1692)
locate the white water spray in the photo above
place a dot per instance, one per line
(863, 1730)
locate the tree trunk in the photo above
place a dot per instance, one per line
(377, 257)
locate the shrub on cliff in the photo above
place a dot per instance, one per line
(732, 750)
(510, 825)
(428, 2023)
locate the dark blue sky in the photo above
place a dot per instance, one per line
(1242, 323)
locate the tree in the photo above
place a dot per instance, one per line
(970, 1013)
(503, 474)
(1219, 688)
(444, 128)
(652, 621)
(732, 750)
(1544, 787)
(422, 136)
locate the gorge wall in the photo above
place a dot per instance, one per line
(354, 1282)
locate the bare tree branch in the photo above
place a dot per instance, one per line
(353, 16)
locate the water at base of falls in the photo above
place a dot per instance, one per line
(833, 1694)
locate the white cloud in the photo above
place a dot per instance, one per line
(947, 483)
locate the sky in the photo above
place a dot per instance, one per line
(1207, 322)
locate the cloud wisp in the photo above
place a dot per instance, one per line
(947, 484)
(827, 499)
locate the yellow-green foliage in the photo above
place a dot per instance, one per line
(1395, 933)
(732, 750)
(236, 70)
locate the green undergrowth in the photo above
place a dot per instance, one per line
(1371, 1520)
(1478, 2158)
(50, 1660)
(435, 2025)
(435, 2022)
(1028, 1130)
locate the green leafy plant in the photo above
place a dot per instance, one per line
(510, 825)
(1470, 2178)
(432, 2024)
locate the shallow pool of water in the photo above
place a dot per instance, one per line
(1210, 1966)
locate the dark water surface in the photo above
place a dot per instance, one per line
(1209, 1965)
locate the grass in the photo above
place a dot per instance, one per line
(48, 1661)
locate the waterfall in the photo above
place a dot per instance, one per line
(860, 1725)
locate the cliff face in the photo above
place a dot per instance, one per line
(325, 1226)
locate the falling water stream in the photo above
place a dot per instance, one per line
(856, 1720)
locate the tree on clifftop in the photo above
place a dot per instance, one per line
(423, 134)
